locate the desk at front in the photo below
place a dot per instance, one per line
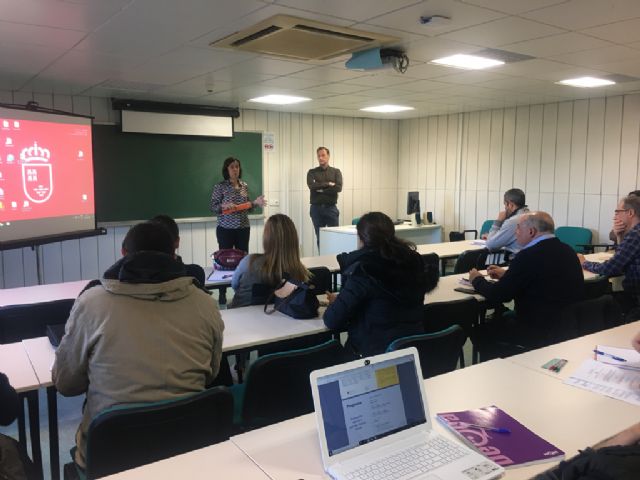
(335, 240)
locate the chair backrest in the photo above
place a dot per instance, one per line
(486, 226)
(260, 293)
(355, 220)
(277, 385)
(441, 315)
(458, 236)
(596, 287)
(124, 437)
(439, 352)
(587, 316)
(574, 236)
(18, 322)
(470, 259)
(320, 279)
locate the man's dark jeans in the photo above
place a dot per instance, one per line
(323, 216)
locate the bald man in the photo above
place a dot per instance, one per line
(543, 278)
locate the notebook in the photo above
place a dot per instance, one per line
(373, 422)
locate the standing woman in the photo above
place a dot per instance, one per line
(233, 228)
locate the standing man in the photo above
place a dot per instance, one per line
(325, 183)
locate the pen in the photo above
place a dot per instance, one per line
(490, 429)
(226, 276)
(605, 354)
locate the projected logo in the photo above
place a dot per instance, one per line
(37, 177)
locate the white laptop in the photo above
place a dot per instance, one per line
(374, 422)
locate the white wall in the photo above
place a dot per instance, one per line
(365, 150)
(573, 160)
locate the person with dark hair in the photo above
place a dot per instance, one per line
(145, 332)
(384, 284)
(193, 270)
(542, 279)
(9, 404)
(503, 230)
(281, 256)
(619, 230)
(324, 182)
(626, 260)
(228, 201)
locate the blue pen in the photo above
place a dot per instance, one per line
(490, 429)
(605, 354)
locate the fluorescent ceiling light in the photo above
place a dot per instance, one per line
(468, 62)
(586, 82)
(279, 99)
(387, 109)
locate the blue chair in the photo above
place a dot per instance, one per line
(127, 436)
(439, 352)
(277, 385)
(486, 226)
(576, 237)
(355, 220)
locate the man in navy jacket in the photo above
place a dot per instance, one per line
(542, 279)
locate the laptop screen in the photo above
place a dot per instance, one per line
(370, 402)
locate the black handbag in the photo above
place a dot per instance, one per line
(295, 299)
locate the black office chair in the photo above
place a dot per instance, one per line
(458, 236)
(585, 317)
(442, 315)
(439, 352)
(19, 322)
(596, 287)
(471, 259)
(321, 280)
(277, 385)
(124, 437)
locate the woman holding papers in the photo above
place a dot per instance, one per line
(384, 283)
(281, 255)
(230, 201)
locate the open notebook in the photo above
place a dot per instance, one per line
(374, 422)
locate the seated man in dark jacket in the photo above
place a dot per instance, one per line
(9, 403)
(383, 296)
(542, 279)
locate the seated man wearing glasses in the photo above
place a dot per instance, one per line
(626, 260)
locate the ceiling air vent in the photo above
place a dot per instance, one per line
(301, 39)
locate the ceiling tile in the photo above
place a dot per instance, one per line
(513, 6)
(556, 45)
(502, 32)
(579, 14)
(38, 35)
(627, 31)
(462, 15)
(599, 56)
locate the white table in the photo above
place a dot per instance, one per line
(223, 460)
(345, 239)
(576, 350)
(15, 363)
(568, 417)
(41, 293)
(448, 249)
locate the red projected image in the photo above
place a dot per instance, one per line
(46, 170)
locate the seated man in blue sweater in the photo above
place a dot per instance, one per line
(542, 279)
(503, 230)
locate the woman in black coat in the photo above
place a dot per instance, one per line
(384, 284)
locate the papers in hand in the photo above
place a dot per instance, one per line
(611, 355)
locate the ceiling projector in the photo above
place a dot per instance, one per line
(376, 58)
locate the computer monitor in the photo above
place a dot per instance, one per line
(413, 203)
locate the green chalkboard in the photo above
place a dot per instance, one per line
(138, 176)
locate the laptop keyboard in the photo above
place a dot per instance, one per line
(411, 462)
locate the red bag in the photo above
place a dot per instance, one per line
(227, 258)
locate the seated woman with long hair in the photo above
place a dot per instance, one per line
(383, 288)
(281, 255)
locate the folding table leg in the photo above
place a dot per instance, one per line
(34, 429)
(54, 446)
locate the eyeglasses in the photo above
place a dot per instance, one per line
(618, 210)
